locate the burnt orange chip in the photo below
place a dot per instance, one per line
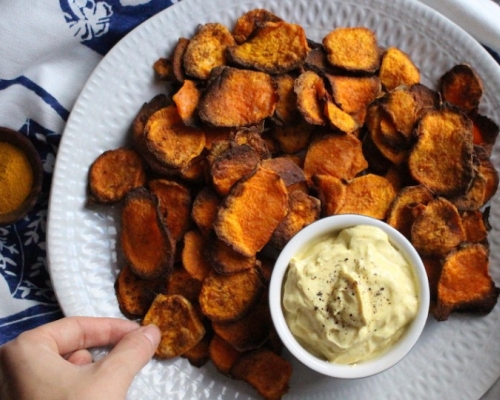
(225, 260)
(266, 371)
(286, 112)
(170, 141)
(164, 69)
(438, 229)
(134, 294)
(274, 47)
(339, 119)
(177, 59)
(139, 123)
(340, 156)
(205, 207)
(193, 255)
(310, 90)
(391, 143)
(174, 204)
(485, 132)
(186, 99)
(292, 175)
(402, 108)
(400, 215)
(222, 354)
(147, 244)
(255, 141)
(474, 196)
(251, 212)
(397, 68)
(353, 49)
(442, 157)
(369, 195)
(228, 298)
(474, 226)
(465, 283)
(207, 50)
(181, 282)
(249, 21)
(331, 192)
(114, 173)
(462, 87)
(232, 165)
(238, 98)
(302, 211)
(199, 355)
(180, 326)
(294, 138)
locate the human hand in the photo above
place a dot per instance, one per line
(53, 361)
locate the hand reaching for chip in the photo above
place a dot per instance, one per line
(53, 361)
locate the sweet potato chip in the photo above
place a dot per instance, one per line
(147, 244)
(274, 47)
(336, 155)
(255, 141)
(338, 119)
(205, 207)
(294, 138)
(461, 87)
(172, 143)
(302, 211)
(474, 197)
(113, 174)
(442, 157)
(178, 59)
(207, 50)
(353, 49)
(180, 326)
(465, 284)
(397, 68)
(310, 90)
(331, 192)
(238, 98)
(181, 282)
(174, 205)
(186, 99)
(369, 195)
(485, 132)
(438, 229)
(252, 211)
(164, 69)
(222, 354)
(488, 171)
(225, 260)
(266, 371)
(199, 355)
(193, 255)
(286, 112)
(249, 21)
(474, 226)
(292, 175)
(134, 294)
(228, 298)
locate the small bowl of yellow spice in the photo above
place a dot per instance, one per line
(349, 296)
(21, 176)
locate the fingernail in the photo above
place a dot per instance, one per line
(152, 333)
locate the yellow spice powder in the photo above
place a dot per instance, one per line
(16, 177)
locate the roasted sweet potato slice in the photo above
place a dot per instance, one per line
(170, 141)
(205, 207)
(331, 192)
(400, 215)
(222, 354)
(147, 244)
(193, 255)
(199, 355)
(249, 21)
(286, 112)
(274, 47)
(207, 50)
(369, 195)
(134, 294)
(402, 108)
(442, 157)
(353, 49)
(310, 90)
(485, 132)
(251, 212)
(473, 198)
(438, 229)
(294, 138)
(225, 260)
(266, 371)
(302, 211)
(397, 68)
(232, 165)
(177, 58)
(181, 282)
(254, 140)
(186, 99)
(114, 173)
(174, 205)
(238, 98)
(474, 226)
(292, 175)
(228, 298)
(465, 283)
(250, 332)
(340, 156)
(462, 87)
(180, 326)
(338, 119)
(163, 69)
(488, 171)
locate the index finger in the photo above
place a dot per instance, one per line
(74, 333)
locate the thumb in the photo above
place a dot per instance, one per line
(128, 357)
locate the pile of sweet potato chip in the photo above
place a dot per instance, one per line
(259, 133)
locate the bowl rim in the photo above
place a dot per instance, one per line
(366, 368)
(20, 141)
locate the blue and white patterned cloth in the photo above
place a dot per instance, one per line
(48, 48)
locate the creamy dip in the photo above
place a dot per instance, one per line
(350, 296)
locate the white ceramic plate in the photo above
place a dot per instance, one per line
(457, 359)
